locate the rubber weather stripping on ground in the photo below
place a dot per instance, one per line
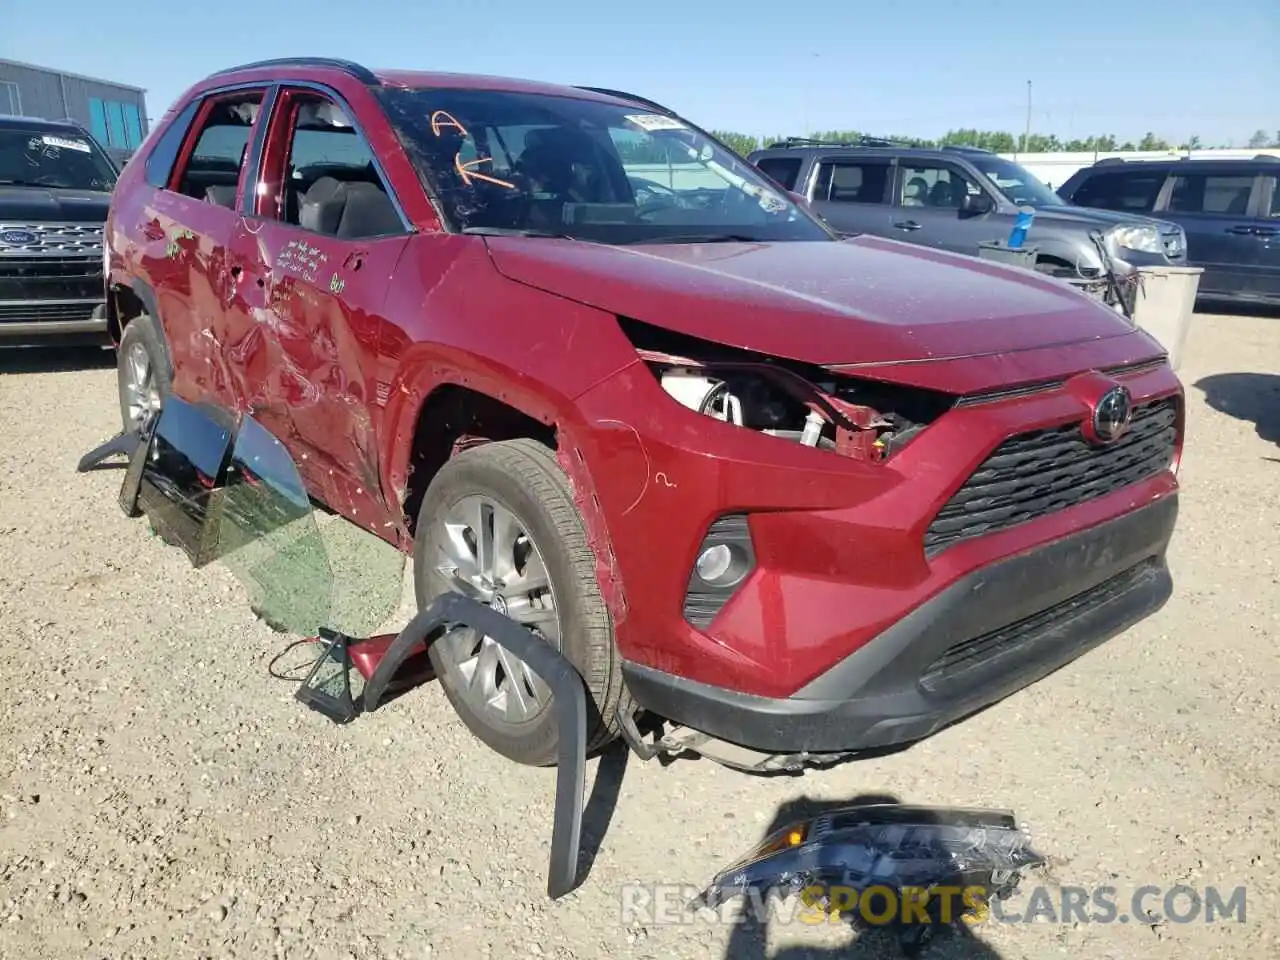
(449, 612)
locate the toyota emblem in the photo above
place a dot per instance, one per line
(1112, 415)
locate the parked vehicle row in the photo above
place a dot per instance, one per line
(956, 198)
(1229, 209)
(790, 493)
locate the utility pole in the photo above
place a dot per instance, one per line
(1026, 137)
(808, 97)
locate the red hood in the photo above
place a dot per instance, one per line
(865, 300)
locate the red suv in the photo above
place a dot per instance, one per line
(790, 493)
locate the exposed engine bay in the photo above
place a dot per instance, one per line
(860, 419)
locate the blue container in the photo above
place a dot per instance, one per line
(1018, 236)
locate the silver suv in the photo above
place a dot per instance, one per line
(956, 198)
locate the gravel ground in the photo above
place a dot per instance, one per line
(164, 797)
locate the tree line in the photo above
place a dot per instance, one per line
(999, 141)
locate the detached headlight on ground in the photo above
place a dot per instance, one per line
(1141, 239)
(925, 868)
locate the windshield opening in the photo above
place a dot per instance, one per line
(541, 165)
(36, 158)
(1016, 182)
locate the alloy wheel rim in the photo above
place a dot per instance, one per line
(141, 392)
(483, 551)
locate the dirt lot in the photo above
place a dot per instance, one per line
(164, 797)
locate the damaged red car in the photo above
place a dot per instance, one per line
(796, 496)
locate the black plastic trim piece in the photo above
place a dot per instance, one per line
(121, 445)
(567, 688)
(361, 73)
(251, 169)
(622, 95)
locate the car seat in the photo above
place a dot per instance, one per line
(916, 192)
(349, 210)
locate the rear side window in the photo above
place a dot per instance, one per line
(212, 171)
(851, 181)
(165, 153)
(1202, 193)
(781, 170)
(1130, 190)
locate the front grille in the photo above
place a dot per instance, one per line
(40, 268)
(42, 311)
(953, 666)
(1038, 473)
(64, 238)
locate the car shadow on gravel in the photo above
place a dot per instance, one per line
(600, 805)
(749, 937)
(1253, 397)
(55, 359)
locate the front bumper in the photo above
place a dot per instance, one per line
(989, 634)
(36, 322)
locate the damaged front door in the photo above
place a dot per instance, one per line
(326, 235)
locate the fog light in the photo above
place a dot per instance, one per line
(722, 565)
(714, 563)
(724, 560)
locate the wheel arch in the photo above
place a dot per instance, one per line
(454, 417)
(126, 302)
(428, 421)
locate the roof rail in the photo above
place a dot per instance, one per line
(1111, 160)
(808, 142)
(965, 148)
(861, 141)
(814, 142)
(361, 73)
(1267, 156)
(621, 95)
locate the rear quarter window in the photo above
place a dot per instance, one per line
(781, 170)
(1226, 195)
(164, 154)
(1134, 191)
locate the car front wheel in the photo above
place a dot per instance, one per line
(498, 524)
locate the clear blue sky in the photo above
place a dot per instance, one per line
(919, 67)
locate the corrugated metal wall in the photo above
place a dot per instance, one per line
(36, 92)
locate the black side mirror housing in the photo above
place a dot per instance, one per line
(977, 203)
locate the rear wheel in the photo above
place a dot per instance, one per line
(498, 524)
(142, 371)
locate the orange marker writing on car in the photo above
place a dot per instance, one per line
(466, 169)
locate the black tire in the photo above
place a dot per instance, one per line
(524, 477)
(142, 332)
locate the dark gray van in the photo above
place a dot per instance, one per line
(1229, 209)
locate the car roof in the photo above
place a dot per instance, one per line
(310, 68)
(413, 79)
(39, 123)
(1219, 164)
(868, 150)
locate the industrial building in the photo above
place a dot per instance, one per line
(115, 113)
